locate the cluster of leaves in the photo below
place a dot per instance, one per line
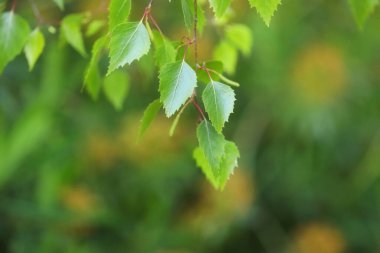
(127, 41)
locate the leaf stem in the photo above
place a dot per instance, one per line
(14, 3)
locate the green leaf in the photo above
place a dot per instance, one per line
(92, 79)
(219, 101)
(119, 11)
(188, 15)
(177, 83)
(60, 3)
(71, 32)
(149, 115)
(266, 8)
(129, 42)
(34, 47)
(212, 144)
(94, 27)
(165, 52)
(220, 7)
(216, 66)
(241, 37)
(227, 166)
(116, 88)
(14, 32)
(362, 9)
(227, 53)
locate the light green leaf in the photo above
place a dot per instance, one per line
(118, 12)
(71, 32)
(212, 144)
(94, 27)
(266, 8)
(188, 15)
(227, 53)
(220, 7)
(219, 101)
(116, 88)
(14, 32)
(129, 42)
(227, 166)
(215, 66)
(150, 114)
(241, 37)
(34, 47)
(60, 3)
(92, 79)
(362, 9)
(177, 83)
(165, 52)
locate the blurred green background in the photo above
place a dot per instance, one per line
(307, 122)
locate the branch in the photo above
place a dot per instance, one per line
(196, 32)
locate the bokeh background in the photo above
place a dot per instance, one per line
(74, 179)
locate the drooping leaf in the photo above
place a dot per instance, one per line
(216, 66)
(118, 12)
(241, 37)
(71, 32)
(129, 42)
(149, 115)
(177, 83)
(362, 9)
(218, 99)
(212, 144)
(189, 13)
(34, 47)
(116, 87)
(60, 3)
(165, 52)
(92, 79)
(227, 166)
(227, 53)
(266, 8)
(94, 27)
(14, 32)
(220, 7)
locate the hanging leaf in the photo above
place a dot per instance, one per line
(266, 8)
(165, 52)
(116, 88)
(219, 101)
(241, 37)
(71, 32)
(149, 115)
(129, 42)
(212, 144)
(227, 166)
(227, 53)
(189, 13)
(92, 79)
(119, 11)
(14, 33)
(60, 3)
(94, 27)
(220, 7)
(177, 83)
(34, 47)
(362, 9)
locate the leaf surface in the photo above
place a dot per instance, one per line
(34, 47)
(71, 32)
(119, 11)
(266, 8)
(150, 114)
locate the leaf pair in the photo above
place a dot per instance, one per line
(216, 156)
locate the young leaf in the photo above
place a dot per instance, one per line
(149, 115)
(227, 166)
(92, 79)
(14, 32)
(212, 144)
(241, 37)
(71, 31)
(60, 3)
(220, 7)
(165, 52)
(227, 53)
(34, 47)
(266, 8)
(362, 9)
(177, 83)
(94, 27)
(129, 42)
(219, 101)
(116, 88)
(118, 12)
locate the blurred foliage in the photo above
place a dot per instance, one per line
(73, 177)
